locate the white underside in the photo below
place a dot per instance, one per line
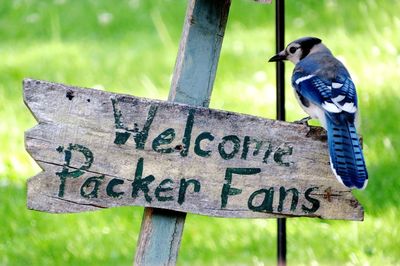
(314, 111)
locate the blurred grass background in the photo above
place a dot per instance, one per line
(130, 46)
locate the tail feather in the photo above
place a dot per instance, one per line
(347, 160)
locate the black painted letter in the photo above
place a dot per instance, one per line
(266, 204)
(249, 142)
(140, 137)
(282, 151)
(65, 173)
(227, 190)
(110, 188)
(183, 186)
(141, 183)
(315, 203)
(87, 190)
(164, 186)
(282, 195)
(188, 133)
(166, 137)
(197, 148)
(236, 146)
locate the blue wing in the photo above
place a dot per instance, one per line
(333, 96)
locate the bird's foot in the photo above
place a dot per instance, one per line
(303, 121)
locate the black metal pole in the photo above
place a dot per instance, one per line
(280, 67)
(280, 109)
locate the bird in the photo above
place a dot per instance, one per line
(325, 91)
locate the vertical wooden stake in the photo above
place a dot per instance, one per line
(192, 83)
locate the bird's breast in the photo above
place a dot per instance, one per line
(311, 109)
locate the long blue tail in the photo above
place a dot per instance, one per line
(347, 160)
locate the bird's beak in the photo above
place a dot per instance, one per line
(278, 57)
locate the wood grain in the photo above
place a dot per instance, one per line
(206, 168)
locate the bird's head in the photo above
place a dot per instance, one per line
(299, 49)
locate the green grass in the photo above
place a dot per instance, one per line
(130, 47)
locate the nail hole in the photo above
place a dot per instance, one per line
(70, 95)
(178, 147)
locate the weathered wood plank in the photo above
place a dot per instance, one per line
(100, 150)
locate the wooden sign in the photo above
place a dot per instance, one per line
(99, 149)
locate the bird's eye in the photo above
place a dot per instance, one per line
(292, 50)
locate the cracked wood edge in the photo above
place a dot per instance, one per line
(64, 121)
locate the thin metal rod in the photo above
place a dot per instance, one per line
(281, 241)
(280, 67)
(280, 110)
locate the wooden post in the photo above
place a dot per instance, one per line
(192, 83)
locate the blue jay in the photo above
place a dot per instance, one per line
(325, 91)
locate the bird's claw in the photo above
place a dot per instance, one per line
(303, 121)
